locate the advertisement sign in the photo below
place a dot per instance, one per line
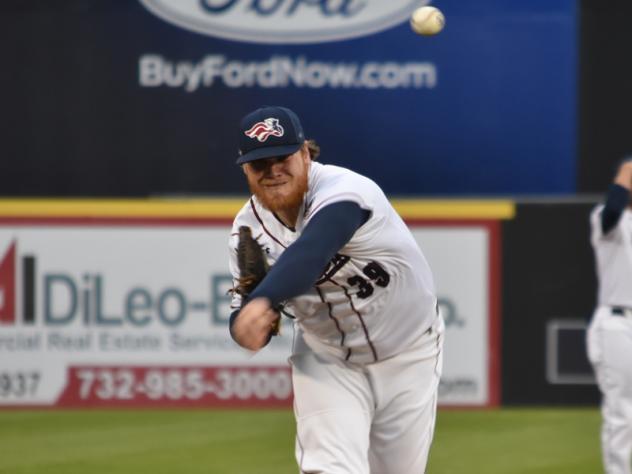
(148, 94)
(463, 260)
(137, 315)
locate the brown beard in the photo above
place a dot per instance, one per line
(275, 203)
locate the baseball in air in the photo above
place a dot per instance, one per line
(427, 21)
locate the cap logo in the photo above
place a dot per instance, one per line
(262, 130)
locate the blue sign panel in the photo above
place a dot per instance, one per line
(485, 107)
(153, 91)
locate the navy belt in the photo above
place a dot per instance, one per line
(620, 311)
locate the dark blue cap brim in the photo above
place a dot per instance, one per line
(268, 152)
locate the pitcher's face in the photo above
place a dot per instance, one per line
(280, 183)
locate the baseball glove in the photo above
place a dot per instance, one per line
(253, 267)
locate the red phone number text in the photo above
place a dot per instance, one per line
(178, 386)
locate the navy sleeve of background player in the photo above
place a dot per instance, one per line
(617, 200)
(300, 265)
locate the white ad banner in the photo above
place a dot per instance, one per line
(137, 315)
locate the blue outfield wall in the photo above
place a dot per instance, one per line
(143, 97)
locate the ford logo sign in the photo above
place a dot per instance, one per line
(284, 21)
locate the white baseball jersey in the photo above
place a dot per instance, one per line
(613, 253)
(609, 339)
(376, 297)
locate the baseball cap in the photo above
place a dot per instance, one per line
(267, 132)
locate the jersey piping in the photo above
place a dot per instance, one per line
(333, 318)
(328, 278)
(364, 328)
(263, 226)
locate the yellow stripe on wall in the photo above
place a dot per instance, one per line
(227, 208)
(454, 209)
(180, 208)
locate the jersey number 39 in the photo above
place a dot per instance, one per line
(375, 273)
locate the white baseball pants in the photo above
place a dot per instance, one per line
(609, 341)
(359, 419)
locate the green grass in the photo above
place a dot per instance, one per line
(517, 441)
(551, 441)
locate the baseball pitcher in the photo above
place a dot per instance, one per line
(368, 337)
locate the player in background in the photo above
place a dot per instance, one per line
(367, 351)
(609, 335)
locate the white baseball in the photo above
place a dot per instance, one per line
(427, 21)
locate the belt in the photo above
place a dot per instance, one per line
(621, 311)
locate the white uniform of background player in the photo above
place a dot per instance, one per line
(610, 332)
(367, 357)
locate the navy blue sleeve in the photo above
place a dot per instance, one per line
(300, 265)
(618, 198)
